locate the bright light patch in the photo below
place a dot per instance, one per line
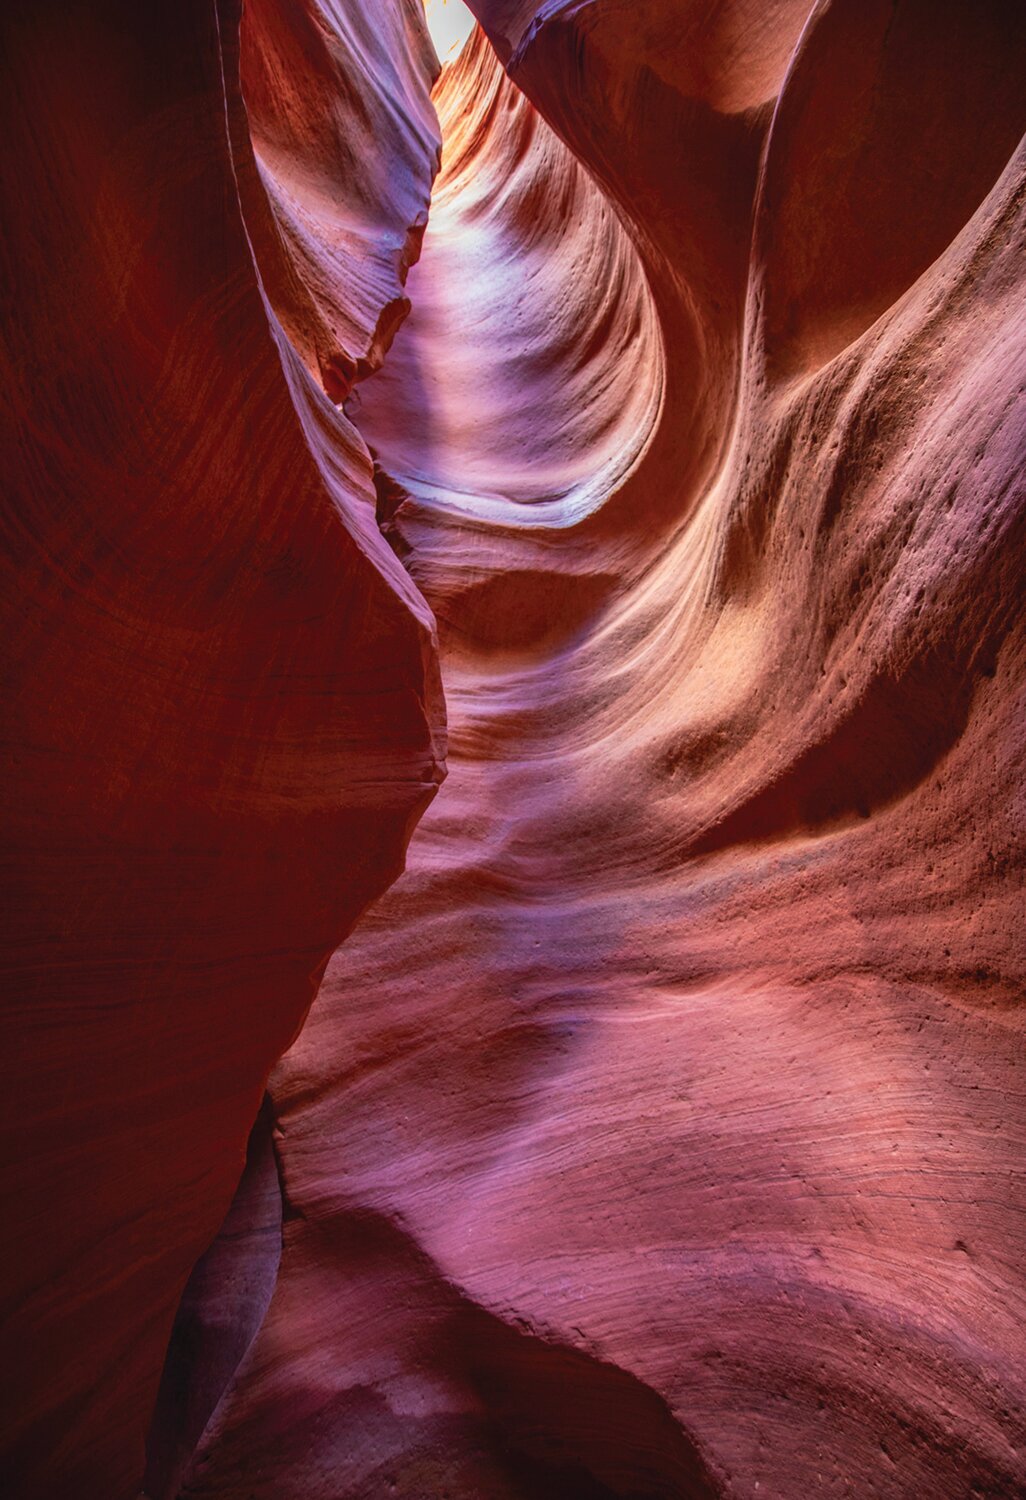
(450, 23)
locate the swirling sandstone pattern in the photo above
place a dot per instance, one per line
(661, 1132)
(345, 146)
(222, 712)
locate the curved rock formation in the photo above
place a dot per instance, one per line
(688, 1053)
(661, 1132)
(222, 710)
(345, 146)
(527, 385)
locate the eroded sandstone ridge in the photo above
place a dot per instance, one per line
(661, 1132)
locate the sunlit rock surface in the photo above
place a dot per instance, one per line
(661, 1132)
(345, 145)
(529, 382)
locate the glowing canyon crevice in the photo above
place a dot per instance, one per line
(650, 383)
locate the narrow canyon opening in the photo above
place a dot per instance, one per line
(519, 388)
(450, 24)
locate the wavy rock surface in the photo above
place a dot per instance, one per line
(345, 147)
(661, 1133)
(222, 704)
(529, 379)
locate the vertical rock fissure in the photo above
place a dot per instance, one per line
(222, 1308)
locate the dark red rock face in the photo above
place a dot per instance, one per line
(661, 1131)
(222, 708)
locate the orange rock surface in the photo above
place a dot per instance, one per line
(661, 1131)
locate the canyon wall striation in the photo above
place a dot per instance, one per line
(660, 1132)
(222, 707)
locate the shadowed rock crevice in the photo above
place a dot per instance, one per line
(571, 1424)
(467, 1403)
(223, 1305)
(898, 118)
(893, 737)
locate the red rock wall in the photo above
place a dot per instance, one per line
(661, 1132)
(222, 709)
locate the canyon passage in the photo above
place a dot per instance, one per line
(515, 755)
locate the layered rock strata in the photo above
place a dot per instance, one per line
(222, 707)
(661, 1133)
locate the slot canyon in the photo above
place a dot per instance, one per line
(514, 749)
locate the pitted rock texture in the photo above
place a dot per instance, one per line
(222, 706)
(687, 1056)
